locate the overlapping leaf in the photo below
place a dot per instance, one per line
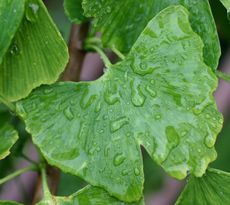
(74, 10)
(160, 97)
(226, 4)
(8, 137)
(37, 55)
(87, 196)
(122, 21)
(211, 189)
(11, 13)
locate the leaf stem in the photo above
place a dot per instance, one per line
(9, 104)
(46, 191)
(223, 76)
(105, 59)
(17, 173)
(118, 53)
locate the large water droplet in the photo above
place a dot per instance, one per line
(119, 159)
(172, 136)
(138, 98)
(69, 113)
(209, 139)
(32, 12)
(119, 123)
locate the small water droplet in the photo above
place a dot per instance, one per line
(108, 9)
(111, 95)
(98, 106)
(209, 140)
(138, 98)
(124, 172)
(200, 107)
(151, 91)
(69, 113)
(157, 117)
(32, 12)
(48, 91)
(106, 151)
(119, 123)
(119, 159)
(14, 49)
(172, 136)
(136, 171)
(87, 99)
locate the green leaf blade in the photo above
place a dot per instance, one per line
(9, 203)
(74, 11)
(8, 137)
(117, 21)
(90, 196)
(160, 97)
(212, 188)
(11, 14)
(38, 54)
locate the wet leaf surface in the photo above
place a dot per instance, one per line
(160, 97)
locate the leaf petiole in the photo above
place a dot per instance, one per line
(103, 56)
(18, 172)
(223, 76)
(46, 191)
(118, 53)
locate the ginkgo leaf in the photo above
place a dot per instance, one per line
(211, 189)
(226, 4)
(11, 14)
(74, 10)
(160, 97)
(87, 196)
(8, 137)
(37, 55)
(117, 21)
(9, 203)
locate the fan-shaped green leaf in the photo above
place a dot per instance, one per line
(118, 20)
(211, 189)
(38, 54)
(74, 10)
(8, 137)
(160, 97)
(87, 196)
(11, 13)
(9, 203)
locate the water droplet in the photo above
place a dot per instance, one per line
(136, 171)
(124, 172)
(119, 159)
(209, 140)
(152, 82)
(106, 151)
(48, 91)
(172, 136)
(14, 49)
(141, 68)
(157, 117)
(87, 99)
(69, 113)
(200, 107)
(98, 106)
(138, 98)
(151, 91)
(119, 123)
(32, 12)
(108, 9)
